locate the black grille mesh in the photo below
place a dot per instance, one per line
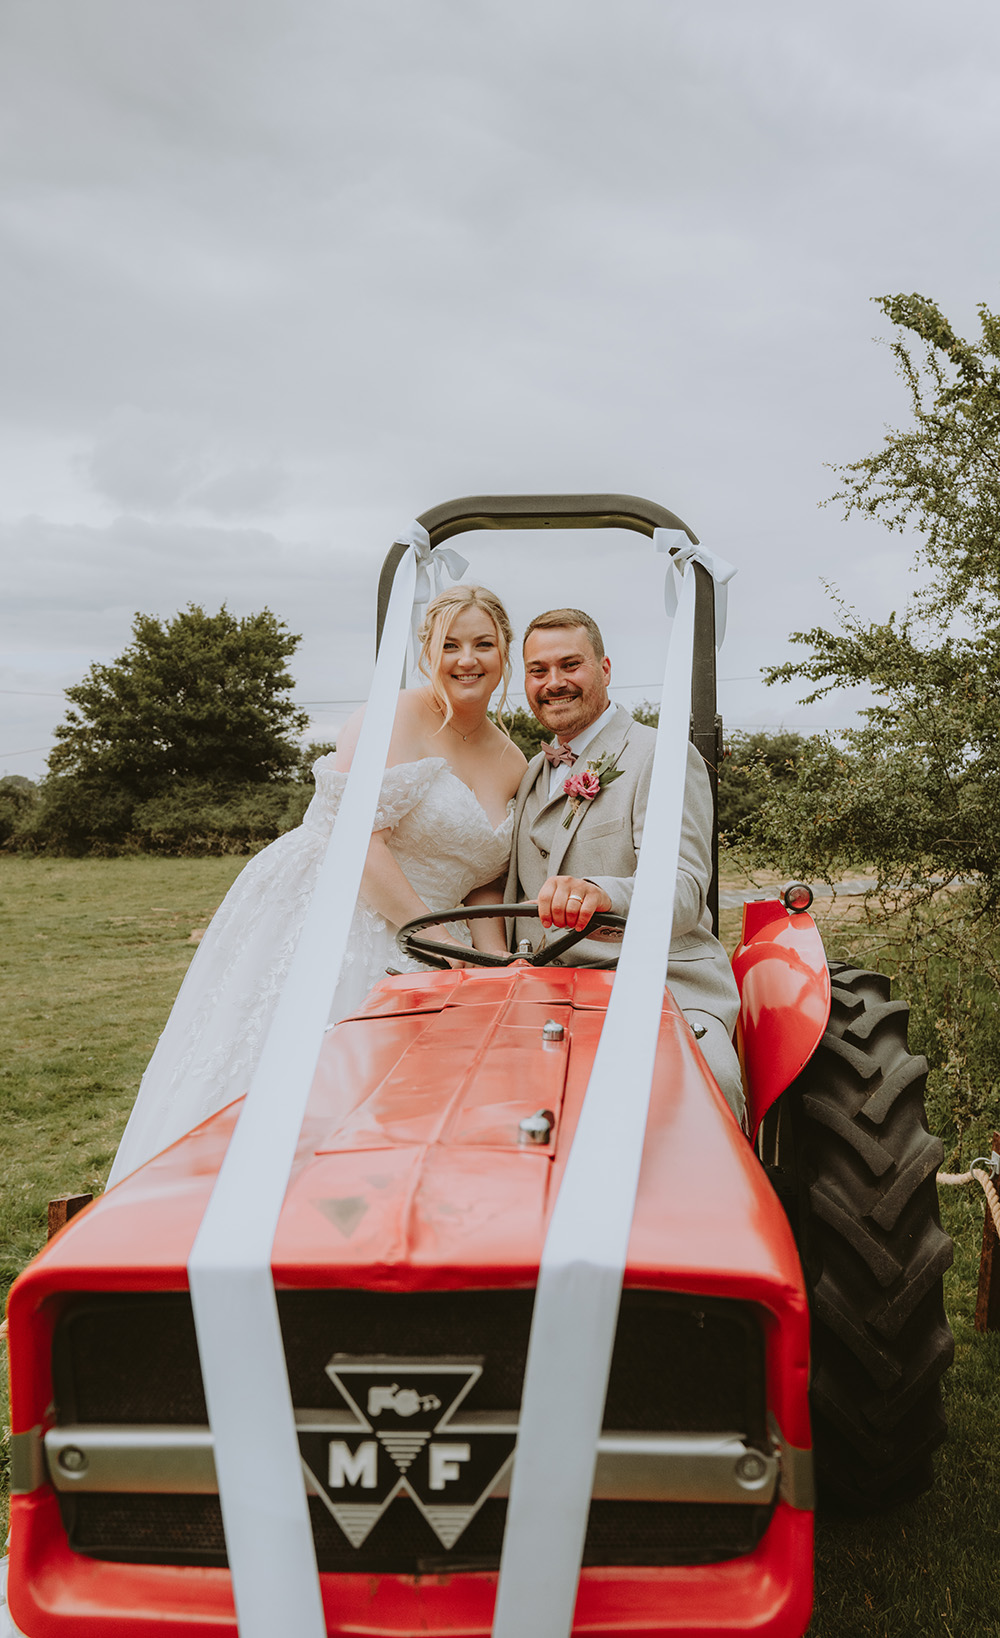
(148, 1529)
(681, 1364)
(128, 1359)
(188, 1530)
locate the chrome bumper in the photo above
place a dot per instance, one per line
(689, 1467)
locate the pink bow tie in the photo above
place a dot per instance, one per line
(555, 754)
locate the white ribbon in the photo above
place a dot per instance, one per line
(7, 1627)
(265, 1511)
(431, 564)
(722, 571)
(585, 1252)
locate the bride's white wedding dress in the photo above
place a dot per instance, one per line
(445, 845)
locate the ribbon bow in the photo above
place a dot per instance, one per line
(555, 754)
(431, 563)
(718, 567)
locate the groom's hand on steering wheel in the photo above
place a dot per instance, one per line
(570, 901)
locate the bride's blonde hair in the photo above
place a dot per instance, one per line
(440, 615)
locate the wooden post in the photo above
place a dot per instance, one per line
(63, 1207)
(988, 1296)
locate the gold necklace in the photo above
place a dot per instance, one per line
(464, 737)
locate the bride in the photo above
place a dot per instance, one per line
(441, 837)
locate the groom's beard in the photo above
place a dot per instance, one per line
(567, 722)
(555, 699)
(552, 718)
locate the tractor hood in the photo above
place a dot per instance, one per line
(411, 1171)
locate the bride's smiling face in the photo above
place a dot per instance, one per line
(471, 661)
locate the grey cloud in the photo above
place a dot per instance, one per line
(73, 592)
(161, 462)
(309, 269)
(238, 490)
(145, 460)
(62, 577)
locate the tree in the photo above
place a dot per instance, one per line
(202, 696)
(197, 702)
(307, 755)
(19, 798)
(526, 731)
(755, 765)
(914, 793)
(942, 474)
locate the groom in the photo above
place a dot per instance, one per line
(575, 871)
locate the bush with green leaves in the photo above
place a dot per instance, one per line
(755, 766)
(196, 818)
(309, 754)
(19, 800)
(914, 793)
(525, 730)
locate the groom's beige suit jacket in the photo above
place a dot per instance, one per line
(601, 844)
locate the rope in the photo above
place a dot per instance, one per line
(986, 1182)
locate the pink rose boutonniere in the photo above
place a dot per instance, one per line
(583, 787)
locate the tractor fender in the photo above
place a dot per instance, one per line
(781, 972)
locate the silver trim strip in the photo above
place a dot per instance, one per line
(798, 1485)
(160, 1460)
(27, 1462)
(679, 1467)
(709, 1467)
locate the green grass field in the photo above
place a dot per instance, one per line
(92, 954)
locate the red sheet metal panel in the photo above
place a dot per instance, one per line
(784, 983)
(409, 1176)
(55, 1593)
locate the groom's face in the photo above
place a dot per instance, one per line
(566, 684)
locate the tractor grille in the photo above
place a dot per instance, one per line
(188, 1530)
(681, 1365)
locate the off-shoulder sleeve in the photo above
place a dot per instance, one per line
(402, 788)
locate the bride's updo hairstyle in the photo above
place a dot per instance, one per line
(439, 616)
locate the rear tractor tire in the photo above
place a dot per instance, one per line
(854, 1164)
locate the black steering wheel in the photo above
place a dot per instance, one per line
(435, 954)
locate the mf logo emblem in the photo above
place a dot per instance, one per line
(401, 1435)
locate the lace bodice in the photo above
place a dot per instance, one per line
(440, 836)
(445, 845)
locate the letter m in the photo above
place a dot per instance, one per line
(353, 1467)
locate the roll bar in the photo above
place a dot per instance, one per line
(456, 517)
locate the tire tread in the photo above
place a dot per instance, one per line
(866, 1218)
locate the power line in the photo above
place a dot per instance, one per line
(47, 694)
(44, 694)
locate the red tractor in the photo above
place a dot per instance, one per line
(405, 1265)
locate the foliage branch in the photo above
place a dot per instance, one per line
(914, 793)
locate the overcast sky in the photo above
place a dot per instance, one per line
(277, 275)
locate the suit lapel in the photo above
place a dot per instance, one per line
(533, 804)
(611, 741)
(542, 787)
(525, 809)
(528, 786)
